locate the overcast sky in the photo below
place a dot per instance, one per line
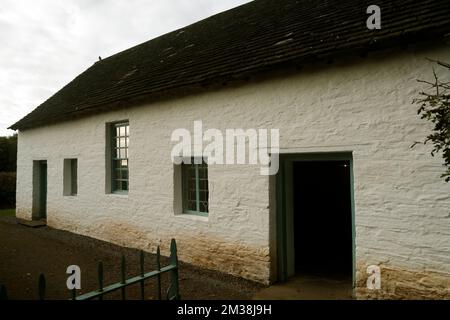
(47, 43)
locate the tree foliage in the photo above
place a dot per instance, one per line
(8, 153)
(434, 106)
(8, 159)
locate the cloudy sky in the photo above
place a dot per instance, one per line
(46, 43)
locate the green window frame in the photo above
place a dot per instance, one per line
(195, 188)
(120, 139)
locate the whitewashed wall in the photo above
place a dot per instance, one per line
(402, 205)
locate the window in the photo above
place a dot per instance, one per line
(119, 148)
(70, 177)
(195, 188)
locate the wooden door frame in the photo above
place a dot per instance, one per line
(37, 189)
(281, 227)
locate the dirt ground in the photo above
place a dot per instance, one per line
(309, 287)
(26, 252)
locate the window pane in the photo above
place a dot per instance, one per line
(117, 174)
(195, 185)
(119, 154)
(203, 195)
(192, 206)
(74, 176)
(202, 172)
(204, 206)
(203, 184)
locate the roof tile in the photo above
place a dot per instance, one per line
(253, 37)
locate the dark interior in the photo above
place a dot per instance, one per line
(322, 218)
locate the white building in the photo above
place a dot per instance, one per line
(350, 191)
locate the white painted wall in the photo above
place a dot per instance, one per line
(402, 205)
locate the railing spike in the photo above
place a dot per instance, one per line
(123, 276)
(100, 279)
(3, 293)
(158, 268)
(174, 272)
(41, 286)
(173, 252)
(141, 262)
(158, 258)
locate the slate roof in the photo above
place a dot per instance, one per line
(259, 35)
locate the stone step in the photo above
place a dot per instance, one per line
(32, 223)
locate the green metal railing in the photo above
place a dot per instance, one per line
(171, 294)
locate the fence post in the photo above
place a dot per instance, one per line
(174, 272)
(41, 286)
(123, 276)
(158, 268)
(141, 262)
(100, 279)
(3, 293)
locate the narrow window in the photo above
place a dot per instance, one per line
(195, 188)
(119, 149)
(70, 177)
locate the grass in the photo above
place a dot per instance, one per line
(7, 212)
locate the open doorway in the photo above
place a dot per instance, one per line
(39, 190)
(322, 218)
(315, 233)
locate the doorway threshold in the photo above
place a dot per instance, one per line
(32, 223)
(308, 287)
